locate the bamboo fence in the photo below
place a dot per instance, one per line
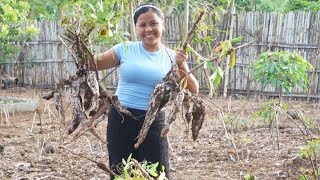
(45, 60)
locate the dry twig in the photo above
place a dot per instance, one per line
(101, 165)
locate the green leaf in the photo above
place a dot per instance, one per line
(220, 71)
(92, 7)
(209, 65)
(218, 80)
(129, 158)
(162, 176)
(211, 87)
(282, 70)
(93, 16)
(213, 75)
(152, 169)
(236, 40)
(232, 59)
(272, 68)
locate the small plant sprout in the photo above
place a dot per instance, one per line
(249, 177)
(131, 169)
(266, 112)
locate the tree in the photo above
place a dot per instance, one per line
(107, 19)
(282, 70)
(278, 6)
(13, 34)
(45, 10)
(304, 5)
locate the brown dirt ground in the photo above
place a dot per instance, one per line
(211, 156)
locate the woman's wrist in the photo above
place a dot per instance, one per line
(183, 67)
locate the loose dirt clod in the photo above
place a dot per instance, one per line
(49, 149)
(293, 113)
(1, 148)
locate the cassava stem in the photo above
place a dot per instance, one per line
(192, 31)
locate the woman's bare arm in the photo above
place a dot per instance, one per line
(105, 60)
(192, 82)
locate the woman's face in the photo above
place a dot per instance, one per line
(149, 28)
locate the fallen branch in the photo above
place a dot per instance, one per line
(282, 111)
(99, 164)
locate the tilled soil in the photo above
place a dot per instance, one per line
(33, 150)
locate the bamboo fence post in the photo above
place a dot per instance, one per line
(227, 67)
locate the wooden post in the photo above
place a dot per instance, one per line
(227, 68)
(131, 24)
(186, 20)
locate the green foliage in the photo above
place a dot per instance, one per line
(6, 102)
(303, 5)
(282, 70)
(278, 6)
(267, 112)
(45, 10)
(130, 171)
(310, 152)
(101, 18)
(179, 8)
(271, 5)
(224, 49)
(237, 124)
(249, 177)
(12, 34)
(311, 149)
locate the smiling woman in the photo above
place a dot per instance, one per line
(142, 65)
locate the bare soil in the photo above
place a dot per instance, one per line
(30, 149)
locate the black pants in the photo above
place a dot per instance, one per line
(122, 131)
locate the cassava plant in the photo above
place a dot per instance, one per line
(267, 113)
(310, 152)
(90, 101)
(213, 71)
(283, 71)
(101, 20)
(84, 23)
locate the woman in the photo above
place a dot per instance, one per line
(142, 65)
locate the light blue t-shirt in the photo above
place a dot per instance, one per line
(140, 71)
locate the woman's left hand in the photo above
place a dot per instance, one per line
(181, 57)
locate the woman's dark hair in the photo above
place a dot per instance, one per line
(145, 8)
